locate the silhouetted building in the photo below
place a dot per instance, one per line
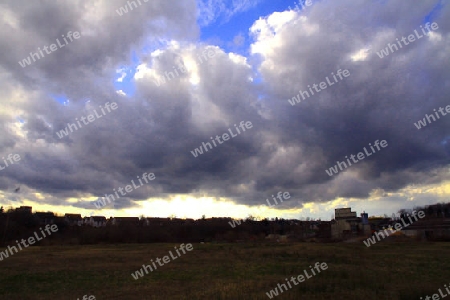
(125, 221)
(96, 221)
(347, 224)
(45, 218)
(344, 213)
(25, 209)
(73, 219)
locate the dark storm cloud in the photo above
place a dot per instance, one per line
(91, 159)
(106, 39)
(380, 100)
(289, 147)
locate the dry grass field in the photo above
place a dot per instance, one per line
(227, 271)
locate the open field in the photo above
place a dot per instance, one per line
(227, 271)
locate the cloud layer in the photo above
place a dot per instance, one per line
(155, 128)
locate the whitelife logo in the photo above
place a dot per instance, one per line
(85, 297)
(128, 188)
(303, 5)
(322, 86)
(166, 259)
(168, 76)
(124, 9)
(30, 240)
(11, 158)
(272, 293)
(286, 196)
(423, 123)
(411, 38)
(235, 223)
(334, 170)
(436, 296)
(384, 233)
(27, 61)
(225, 137)
(86, 120)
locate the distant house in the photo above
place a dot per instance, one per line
(73, 219)
(344, 213)
(155, 221)
(97, 221)
(347, 224)
(166, 221)
(177, 221)
(378, 223)
(125, 221)
(25, 209)
(429, 230)
(440, 210)
(45, 218)
(324, 230)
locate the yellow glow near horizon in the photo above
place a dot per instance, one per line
(190, 206)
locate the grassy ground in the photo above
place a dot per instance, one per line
(227, 271)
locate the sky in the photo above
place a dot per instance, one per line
(144, 87)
